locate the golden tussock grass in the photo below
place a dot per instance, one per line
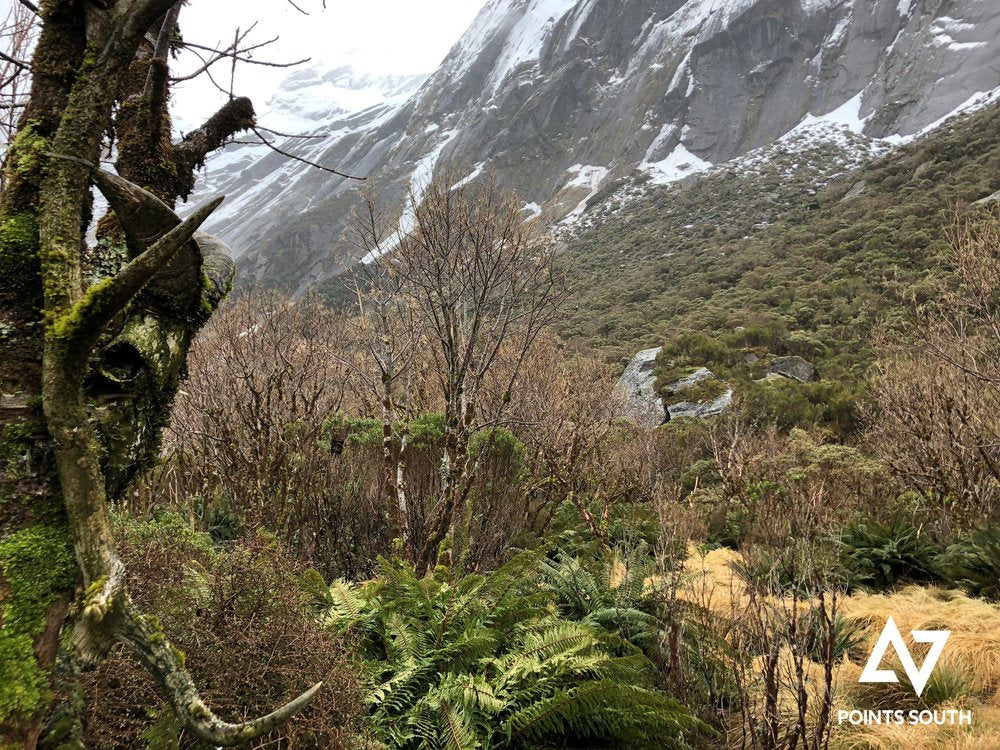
(967, 675)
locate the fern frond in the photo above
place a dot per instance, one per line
(602, 710)
(404, 640)
(345, 601)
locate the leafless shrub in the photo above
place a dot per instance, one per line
(784, 655)
(242, 620)
(256, 431)
(934, 419)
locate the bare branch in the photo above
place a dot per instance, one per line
(161, 49)
(235, 53)
(274, 148)
(233, 117)
(109, 616)
(22, 65)
(291, 135)
(158, 656)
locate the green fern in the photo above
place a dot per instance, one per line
(490, 661)
(974, 563)
(589, 593)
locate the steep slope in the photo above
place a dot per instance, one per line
(562, 98)
(745, 256)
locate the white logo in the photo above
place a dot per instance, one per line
(891, 634)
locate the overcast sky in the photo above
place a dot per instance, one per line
(380, 36)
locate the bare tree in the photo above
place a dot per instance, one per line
(481, 286)
(937, 393)
(390, 337)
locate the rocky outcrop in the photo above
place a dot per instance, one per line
(995, 198)
(638, 399)
(697, 409)
(857, 189)
(635, 391)
(794, 368)
(703, 409)
(561, 98)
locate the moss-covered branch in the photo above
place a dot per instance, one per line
(80, 328)
(233, 117)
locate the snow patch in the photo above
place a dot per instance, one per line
(666, 133)
(476, 171)
(974, 103)
(680, 163)
(683, 69)
(943, 30)
(523, 42)
(580, 16)
(308, 97)
(586, 176)
(421, 176)
(847, 115)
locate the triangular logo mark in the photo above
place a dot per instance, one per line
(891, 635)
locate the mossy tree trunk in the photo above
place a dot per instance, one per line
(92, 346)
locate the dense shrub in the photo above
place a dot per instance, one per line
(241, 617)
(974, 563)
(878, 555)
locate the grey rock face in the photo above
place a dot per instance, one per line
(696, 409)
(988, 199)
(563, 97)
(635, 391)
(702, 410)
(858, 188)
(795, 368)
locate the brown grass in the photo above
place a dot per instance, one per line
(972, 653)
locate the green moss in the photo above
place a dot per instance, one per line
(27, 154)
(93, 590)
(18, 253)
(178, 655)
(152, 623)
(38, 565)
(71, 322)
(207, 308)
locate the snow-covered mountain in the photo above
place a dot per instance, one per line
(564, 98)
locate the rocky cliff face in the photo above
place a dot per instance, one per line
(563, 98)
